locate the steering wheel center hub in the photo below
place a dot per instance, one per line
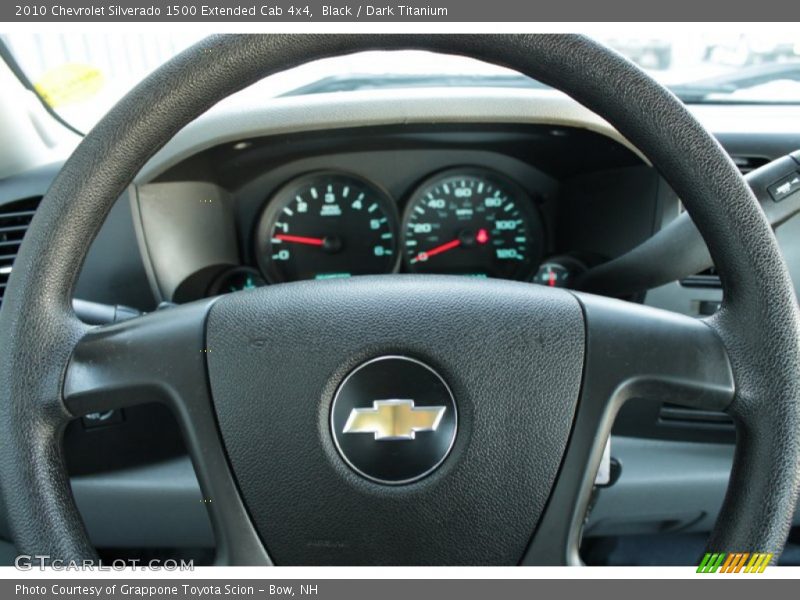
(394, 420)
(324, 394)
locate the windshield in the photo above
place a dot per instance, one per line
(81, 76)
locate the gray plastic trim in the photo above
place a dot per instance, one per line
(245, 115)
(664, 487)
(151, 506)
(183, 227)
(661, 481)
(7, 553)
(677, 298)
(686, 300)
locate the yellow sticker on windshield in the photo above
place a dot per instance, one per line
(69, 84)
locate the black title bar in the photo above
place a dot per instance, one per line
(429, 11)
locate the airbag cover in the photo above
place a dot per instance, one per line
(512, 354)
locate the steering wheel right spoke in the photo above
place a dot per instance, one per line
(633, 353)
(161, 357)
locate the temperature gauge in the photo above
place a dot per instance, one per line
(235, 280)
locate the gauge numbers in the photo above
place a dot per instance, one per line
(471, 222)
(327, 225)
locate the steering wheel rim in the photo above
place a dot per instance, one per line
(757, 322)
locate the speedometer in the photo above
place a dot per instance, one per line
(472, 222)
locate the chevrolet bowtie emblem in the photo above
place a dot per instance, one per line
(394, 419)
(427, 428)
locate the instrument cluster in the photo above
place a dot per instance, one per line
(468, 221)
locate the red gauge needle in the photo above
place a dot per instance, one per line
(551, 281)
(438, 250)
(299, 239)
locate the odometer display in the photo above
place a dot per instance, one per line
(326, 225)
(472, 222)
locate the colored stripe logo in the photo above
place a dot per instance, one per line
(734, 562)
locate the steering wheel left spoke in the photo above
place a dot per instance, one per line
(161, 357)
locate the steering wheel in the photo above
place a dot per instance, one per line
(400, 419)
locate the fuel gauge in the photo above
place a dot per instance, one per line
(558, 271)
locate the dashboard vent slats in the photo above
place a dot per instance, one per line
(673, 414)
(15, 217)
(749, 163)
(704, 279)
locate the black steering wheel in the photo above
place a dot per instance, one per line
(534, 375)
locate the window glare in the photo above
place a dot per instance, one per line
(83, 75)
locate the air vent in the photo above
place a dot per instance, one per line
(14, 220)
(749, 163)
(673, 414)
(705, 279)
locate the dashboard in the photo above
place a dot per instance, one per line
(479, 201)
(516, 184)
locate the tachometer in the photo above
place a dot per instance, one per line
(327, 224)
(472, 222)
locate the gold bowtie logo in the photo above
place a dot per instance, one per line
(394, 419)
